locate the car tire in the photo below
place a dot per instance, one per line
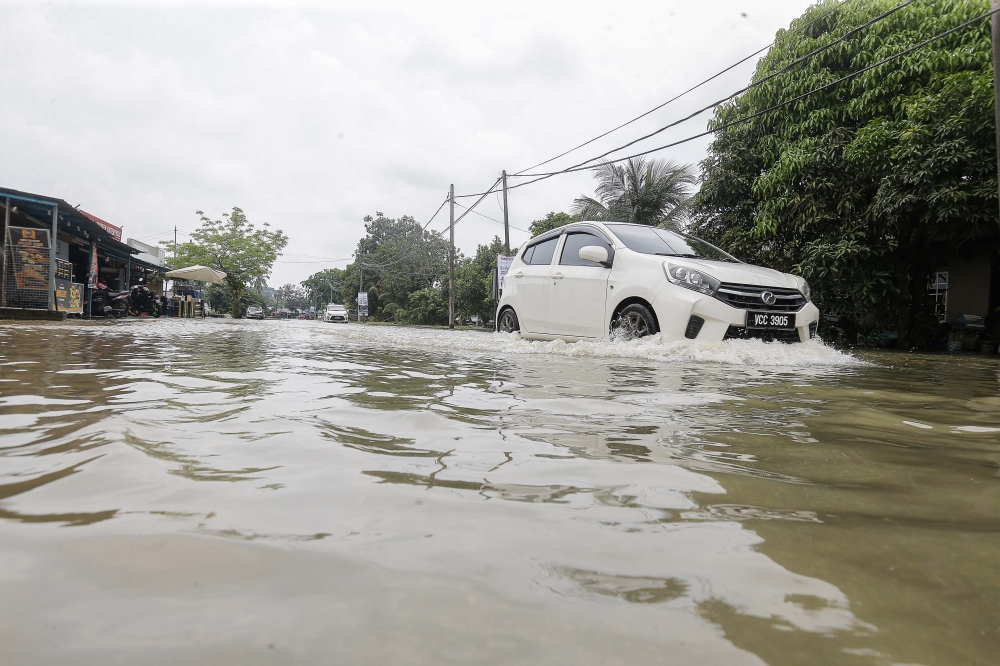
(507, 321)
(632, 322)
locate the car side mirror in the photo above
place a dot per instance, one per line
(594, 253)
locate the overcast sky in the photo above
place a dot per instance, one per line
(311, 117)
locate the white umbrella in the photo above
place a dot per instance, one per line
(201, 273)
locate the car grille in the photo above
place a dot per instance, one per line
(748, 297)
(767, 335)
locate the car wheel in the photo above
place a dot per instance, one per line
(634, 321)
(507, 323)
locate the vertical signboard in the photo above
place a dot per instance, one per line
(68, 293)
(27, 279)
(503, 265)
(92, 278)
(362, 303)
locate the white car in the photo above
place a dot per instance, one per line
(595, 279)
(335, 312)
(255, 312)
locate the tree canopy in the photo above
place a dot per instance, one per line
(638, 190)
(244, 252)
(552, 221)
(862, 186)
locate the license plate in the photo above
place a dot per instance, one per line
(777, 320)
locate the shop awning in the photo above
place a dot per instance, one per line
(200, 273)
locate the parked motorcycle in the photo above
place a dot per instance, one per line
(106, 303)
(142, 301)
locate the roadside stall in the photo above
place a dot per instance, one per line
(185, 299)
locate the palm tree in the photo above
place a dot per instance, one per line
(653, 193)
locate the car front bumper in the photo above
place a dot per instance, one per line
(674, 307)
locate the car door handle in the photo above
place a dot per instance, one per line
(557, 276)
(519, 274)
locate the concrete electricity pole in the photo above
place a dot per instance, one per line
(451, 257)
(506, 227)
(995, 25)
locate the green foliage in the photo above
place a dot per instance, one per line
(292, 296)
(474, 282)
(863, 186)
(235, 246)
(324, 287)
(641, 191)
(552, 221)
(426, 306)
(397, 258)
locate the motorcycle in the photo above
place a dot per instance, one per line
(141, 301)
(106, 303)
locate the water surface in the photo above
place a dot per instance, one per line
(236, 492)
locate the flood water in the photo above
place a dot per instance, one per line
(291, 492)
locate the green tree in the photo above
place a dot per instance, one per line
(860, 187)
(292, 296)
(641, 191)
(395, 258)
(426, 306)
(244, 252)
(324, 287)
(552, 221)
(474, 282)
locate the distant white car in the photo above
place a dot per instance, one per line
(255, 312)
(595, 279)
(335, 312)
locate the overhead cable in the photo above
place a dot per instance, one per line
(744, 119)
(493, 218)
(754, 84)
(691, 89)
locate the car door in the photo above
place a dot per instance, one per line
(579, 288)
(534, 286)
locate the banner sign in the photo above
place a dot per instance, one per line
(363, 303)
(30, 257)
(92, 278)
(113, 231)
(69, 296)
(503, 265)
(64, 270)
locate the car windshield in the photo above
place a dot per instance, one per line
(666, 243)
(335, 307)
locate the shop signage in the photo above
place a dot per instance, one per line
(503, 265)
(363, 303)
(30, 257)
(92, 278)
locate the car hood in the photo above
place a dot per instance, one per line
(725, 271)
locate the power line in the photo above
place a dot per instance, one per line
(691, 89)
(744, 119)
(492, 218)
(754, 84)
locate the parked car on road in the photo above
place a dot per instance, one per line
(255, 312)
(596, 279)
(335, 312)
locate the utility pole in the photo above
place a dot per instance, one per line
(361, 282)
(175, 240)
(995, 26)
(53, 246)
(506, 225)
(3, 259)
(451, 257)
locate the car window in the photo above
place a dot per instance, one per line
(541, 253)
(575, 241)
(652, 240)
(526, 257)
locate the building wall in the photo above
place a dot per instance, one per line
(969, 275)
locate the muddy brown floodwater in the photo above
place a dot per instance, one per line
(290, 492)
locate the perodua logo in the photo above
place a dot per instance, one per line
(768, 298)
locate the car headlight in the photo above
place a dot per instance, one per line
(805, 290)
(690, 278)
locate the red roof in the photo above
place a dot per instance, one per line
(116, 232)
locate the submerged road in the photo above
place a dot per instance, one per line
(291, 492)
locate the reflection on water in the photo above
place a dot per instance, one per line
(298, 492)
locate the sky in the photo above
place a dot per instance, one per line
(311, 116)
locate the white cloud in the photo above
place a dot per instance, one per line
(311, 117)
